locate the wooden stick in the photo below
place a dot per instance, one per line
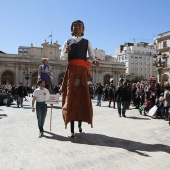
(51, 118)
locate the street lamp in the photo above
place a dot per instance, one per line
(160, 61)
(27, 75)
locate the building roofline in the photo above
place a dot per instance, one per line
(164, 33)
(2, 52)
(23, 47)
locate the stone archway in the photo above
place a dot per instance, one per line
(106, 79)
(34, 78)
(60, 78)
(7, 76)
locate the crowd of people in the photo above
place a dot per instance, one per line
(20, 92)
(141, 96)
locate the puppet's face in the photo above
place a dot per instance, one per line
(45, 61)
(78, 28)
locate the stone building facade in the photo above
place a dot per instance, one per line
(162, 46)
(24, 65)
(138, 58)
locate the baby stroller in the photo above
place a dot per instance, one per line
(157, 111)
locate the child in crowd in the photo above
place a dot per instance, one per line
(145, 106)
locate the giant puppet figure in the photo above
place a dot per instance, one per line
(76, 101)
(45, 73)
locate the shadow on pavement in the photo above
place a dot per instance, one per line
(131, 146)
(5, 115)
(139, 118)
(55, 136)
(27, 107)
(108, 107)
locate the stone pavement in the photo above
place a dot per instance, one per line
(133, 143)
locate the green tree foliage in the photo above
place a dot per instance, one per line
(132, 78)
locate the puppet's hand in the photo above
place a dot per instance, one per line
(68, 48)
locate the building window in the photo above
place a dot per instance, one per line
(164, 44)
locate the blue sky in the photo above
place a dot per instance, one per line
(108, 23)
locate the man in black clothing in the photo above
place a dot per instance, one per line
(111, 93)
(121, 98)
(20, 94)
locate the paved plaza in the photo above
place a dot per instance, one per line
(133, 143)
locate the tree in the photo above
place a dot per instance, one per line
(133, 78)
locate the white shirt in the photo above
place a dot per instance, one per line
(64, 56)
(41, 95)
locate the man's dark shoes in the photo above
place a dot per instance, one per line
(124, 115)
(41, 134)
(72, 135)
(140, 111)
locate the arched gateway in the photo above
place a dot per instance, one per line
(107, 79)
(7, 76)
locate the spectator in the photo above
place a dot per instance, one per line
(167, 102)
(99, 92)
(121, 98)
(20, 94)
